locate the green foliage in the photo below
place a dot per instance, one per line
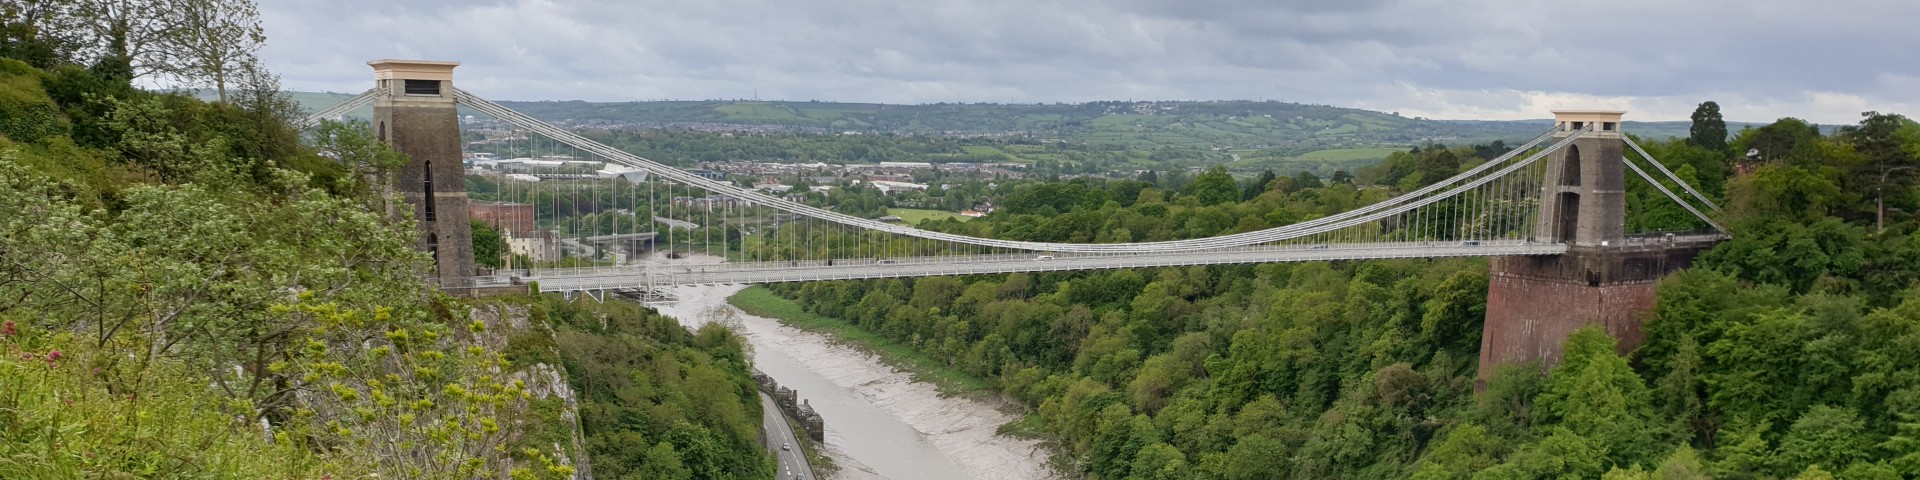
(1905, 445)
(1709, 129)
(1789, 140)
(1213, 187)
(223, 318)
(760, 301)
(1364, 369)
(1828, 436)
(27, 114)
(1595, 394)
(487, 244)
(59, 421)
(655, 400)
(353, 146)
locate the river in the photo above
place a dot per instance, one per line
(880, 423)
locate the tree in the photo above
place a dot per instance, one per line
(1905, 445)
(1709, 131)
(353, 145)
(1743, 453)
(1787, 139)
(1683, 464)
(133, 31)
(1159, 461)
(1306, 179)
(1213, 187)
(216, 43)
(1594, 393)
(1890, 144)
(486, 244)
(39, 32)
(1259, 185)
(1437, 163)
(1830, 437)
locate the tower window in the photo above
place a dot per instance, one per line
(422, 87)
(426, 189)
(1609, 126)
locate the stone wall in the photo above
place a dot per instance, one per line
(1535, 302)
(790, 402)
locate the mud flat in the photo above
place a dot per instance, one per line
(880, 423)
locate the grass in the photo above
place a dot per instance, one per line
(913, 216)
(762, 302)
(1347, 154)
(1028, 426)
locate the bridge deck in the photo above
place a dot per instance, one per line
(621, 278)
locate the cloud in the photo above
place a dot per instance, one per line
(1436, 58)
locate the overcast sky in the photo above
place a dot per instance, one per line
(1825, 61)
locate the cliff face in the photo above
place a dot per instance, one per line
(549, 418)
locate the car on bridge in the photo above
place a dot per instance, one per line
(1043, 258)
(884, 261)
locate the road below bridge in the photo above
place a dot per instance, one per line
(784, 443)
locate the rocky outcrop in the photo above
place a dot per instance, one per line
(553, 405)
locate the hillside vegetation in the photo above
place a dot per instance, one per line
(1788, 352)
(192, 292)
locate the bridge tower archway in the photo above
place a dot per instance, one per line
(1567, 217)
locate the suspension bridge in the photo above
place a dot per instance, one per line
(1551, 211)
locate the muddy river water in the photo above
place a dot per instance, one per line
(880, 423)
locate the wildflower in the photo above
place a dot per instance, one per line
(6, 329)
(52, 356)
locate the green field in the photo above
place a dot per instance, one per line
(1322, 162)
(1350, 154)
(913, 216)
(759, 301)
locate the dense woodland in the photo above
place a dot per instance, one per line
(656, 401)
(1788, 352)
(195, 290)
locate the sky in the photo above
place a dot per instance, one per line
(1825, 61)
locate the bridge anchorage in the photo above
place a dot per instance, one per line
(582, 218)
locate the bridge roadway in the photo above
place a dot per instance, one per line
(623, 278)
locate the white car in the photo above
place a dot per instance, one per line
(1043, 258)
(786, 446)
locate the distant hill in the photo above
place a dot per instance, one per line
(1184, 125)
(1290, 129)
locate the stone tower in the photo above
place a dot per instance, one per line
(415, 113)
(1605, 278)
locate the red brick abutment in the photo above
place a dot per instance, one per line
(1535, 302)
